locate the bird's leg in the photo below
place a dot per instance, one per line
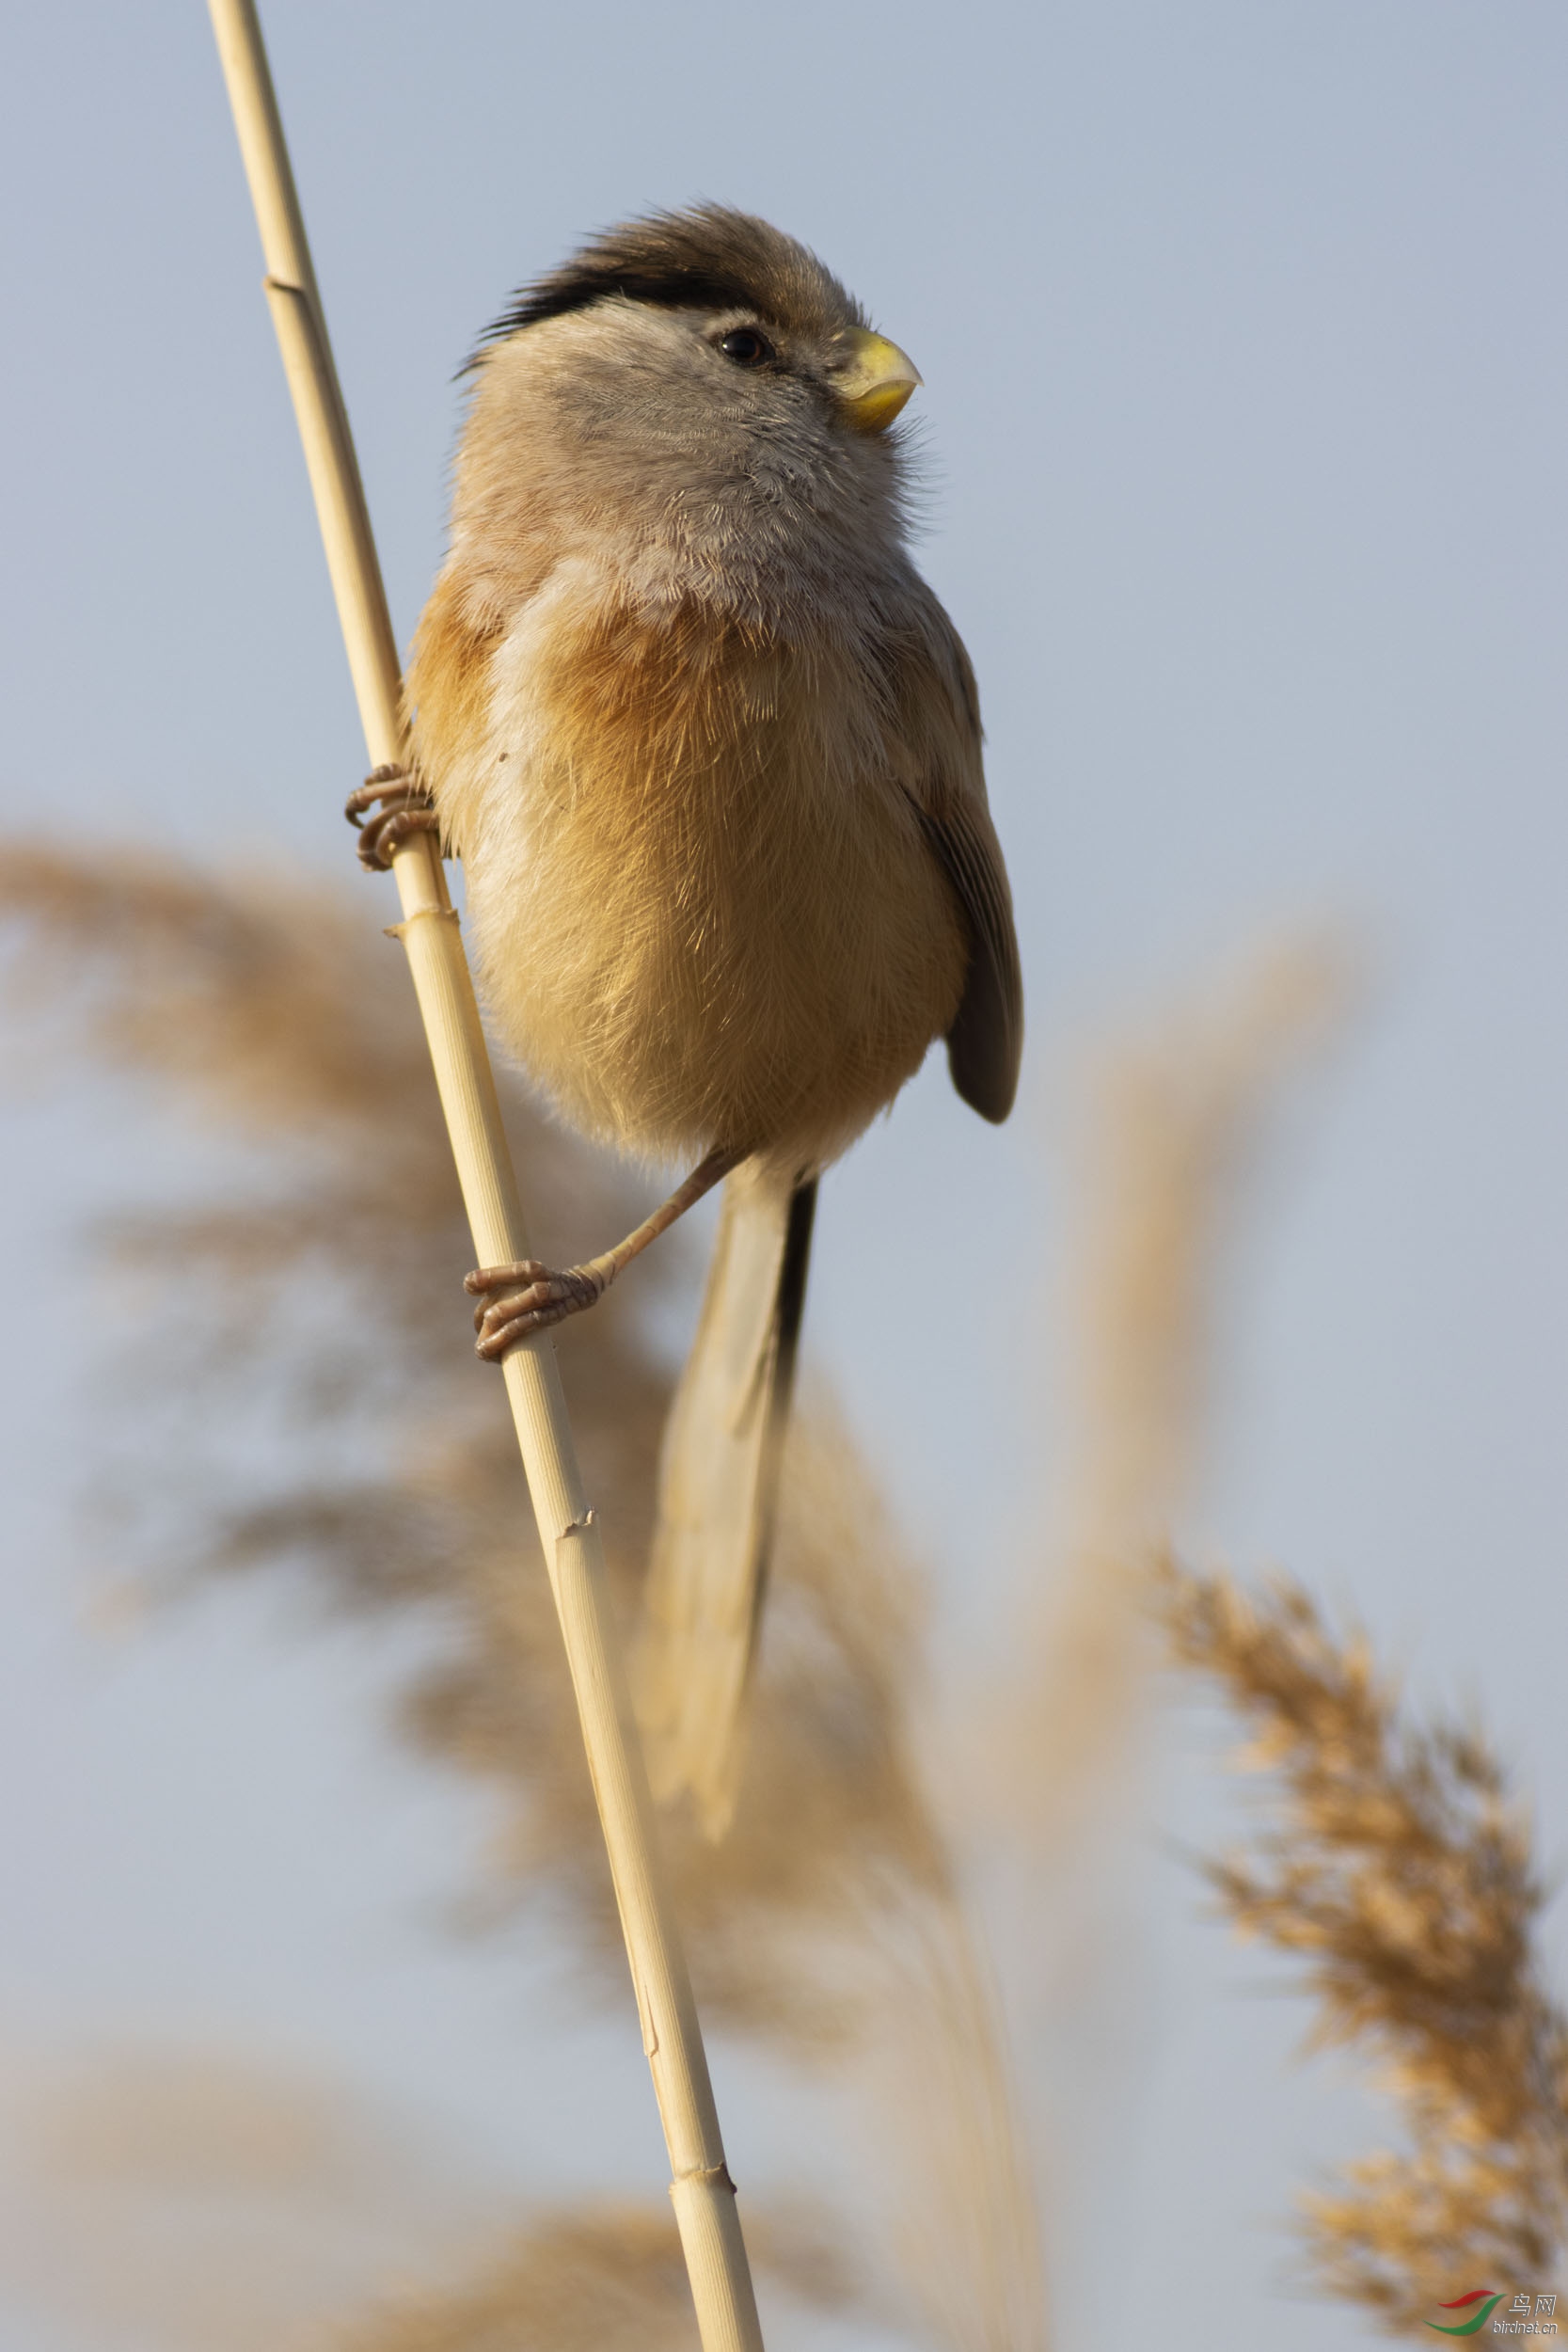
(406, 808)
(531, 1297)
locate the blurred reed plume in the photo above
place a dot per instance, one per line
(1175, 1121)
(1390, 1860)
(327, 1294)
(312, 1272)
(598, 2279)
(1180, 1113)
(187, 2200)
(607, 2282)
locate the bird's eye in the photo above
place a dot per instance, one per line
(746, 347)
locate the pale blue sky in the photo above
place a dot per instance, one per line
(1245, 351)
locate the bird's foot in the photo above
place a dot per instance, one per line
(406, 808)
(528, 1298)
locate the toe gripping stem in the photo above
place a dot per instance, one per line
(518, 1300)
(404, 808)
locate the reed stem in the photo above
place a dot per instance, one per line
(701, 2189)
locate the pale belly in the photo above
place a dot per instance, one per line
(704, 913)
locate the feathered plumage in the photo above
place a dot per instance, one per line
(710, 750)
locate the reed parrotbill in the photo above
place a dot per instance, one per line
(709, 750)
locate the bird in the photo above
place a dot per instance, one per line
(710, 748)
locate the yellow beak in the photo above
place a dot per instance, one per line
(875, 382)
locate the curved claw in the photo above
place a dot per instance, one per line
(532, 1298)
(406, 808)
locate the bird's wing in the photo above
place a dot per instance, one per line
(939, 716)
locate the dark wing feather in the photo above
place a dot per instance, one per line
(940, 707)
(986, 1042)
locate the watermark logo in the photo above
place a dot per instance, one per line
(1526, 2314)
(1473, 2325)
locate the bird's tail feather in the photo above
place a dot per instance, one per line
(719, 1484)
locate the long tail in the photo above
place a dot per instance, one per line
(719, 1486)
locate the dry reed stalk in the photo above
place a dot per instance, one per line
(1392, 1861)
(830, 1925)
(700, 2187)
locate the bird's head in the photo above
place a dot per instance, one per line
(698, 371)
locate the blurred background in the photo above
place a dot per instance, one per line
(1246, 483)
